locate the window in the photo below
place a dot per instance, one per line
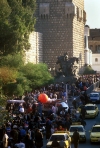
(80, 129)
(96, 129)
(58, 137)
(94, 95)
(89, 107)
(91, 47)
(96, 59)
(44, 9)
(98, 48)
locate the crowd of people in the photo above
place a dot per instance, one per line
(27, 125)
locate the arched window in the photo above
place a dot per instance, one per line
(96, 59)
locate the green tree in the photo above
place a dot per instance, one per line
(18, 87)
(88, 70)
(12, 61)
(16, 22)
(37, 74)
(7, 75)
(11, 84)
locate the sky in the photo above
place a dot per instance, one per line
(92, 8)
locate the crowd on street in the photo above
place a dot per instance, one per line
(28, 125)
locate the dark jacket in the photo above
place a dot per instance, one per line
(55, 143)
(76, 136)
(38, 139)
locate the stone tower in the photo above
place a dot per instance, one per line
(62, 24)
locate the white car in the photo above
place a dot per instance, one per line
(81, 131)
(64, 105)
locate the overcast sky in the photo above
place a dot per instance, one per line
(92, 8)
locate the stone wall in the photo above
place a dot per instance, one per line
(35, 53)
(62, 27)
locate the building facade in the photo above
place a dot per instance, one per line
(87, 51)
(94, 41)
(62, 24)
(96, 62)
(35, 53)
(94, 45)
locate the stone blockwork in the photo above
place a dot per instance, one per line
(62, 24)
(35, 53)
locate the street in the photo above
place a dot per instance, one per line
(89, 124)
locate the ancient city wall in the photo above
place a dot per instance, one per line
(62, 31)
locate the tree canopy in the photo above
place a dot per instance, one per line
(17, 78)
(88, 70)
(12, 61)
(38, 74)
(16, 22)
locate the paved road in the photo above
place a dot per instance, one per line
(90, 123)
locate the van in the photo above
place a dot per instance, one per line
(94, 97)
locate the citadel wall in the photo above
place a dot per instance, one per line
(62, 24)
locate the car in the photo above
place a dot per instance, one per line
(57, 103)
(63, 104)
(94, 97)
(60, 135)
(95, 133)
(81, 131)
(91, 110)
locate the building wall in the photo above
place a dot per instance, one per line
(94, 40)
(78, 32)
(62, 31)
(35, 53)
(96, 62)
(94, 45)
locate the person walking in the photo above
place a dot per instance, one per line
(62, 143)
(5, 140)
(48, 128)
(38, 139)
(55, 144)
(83, 112)
(74, 103)
(76, 137)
